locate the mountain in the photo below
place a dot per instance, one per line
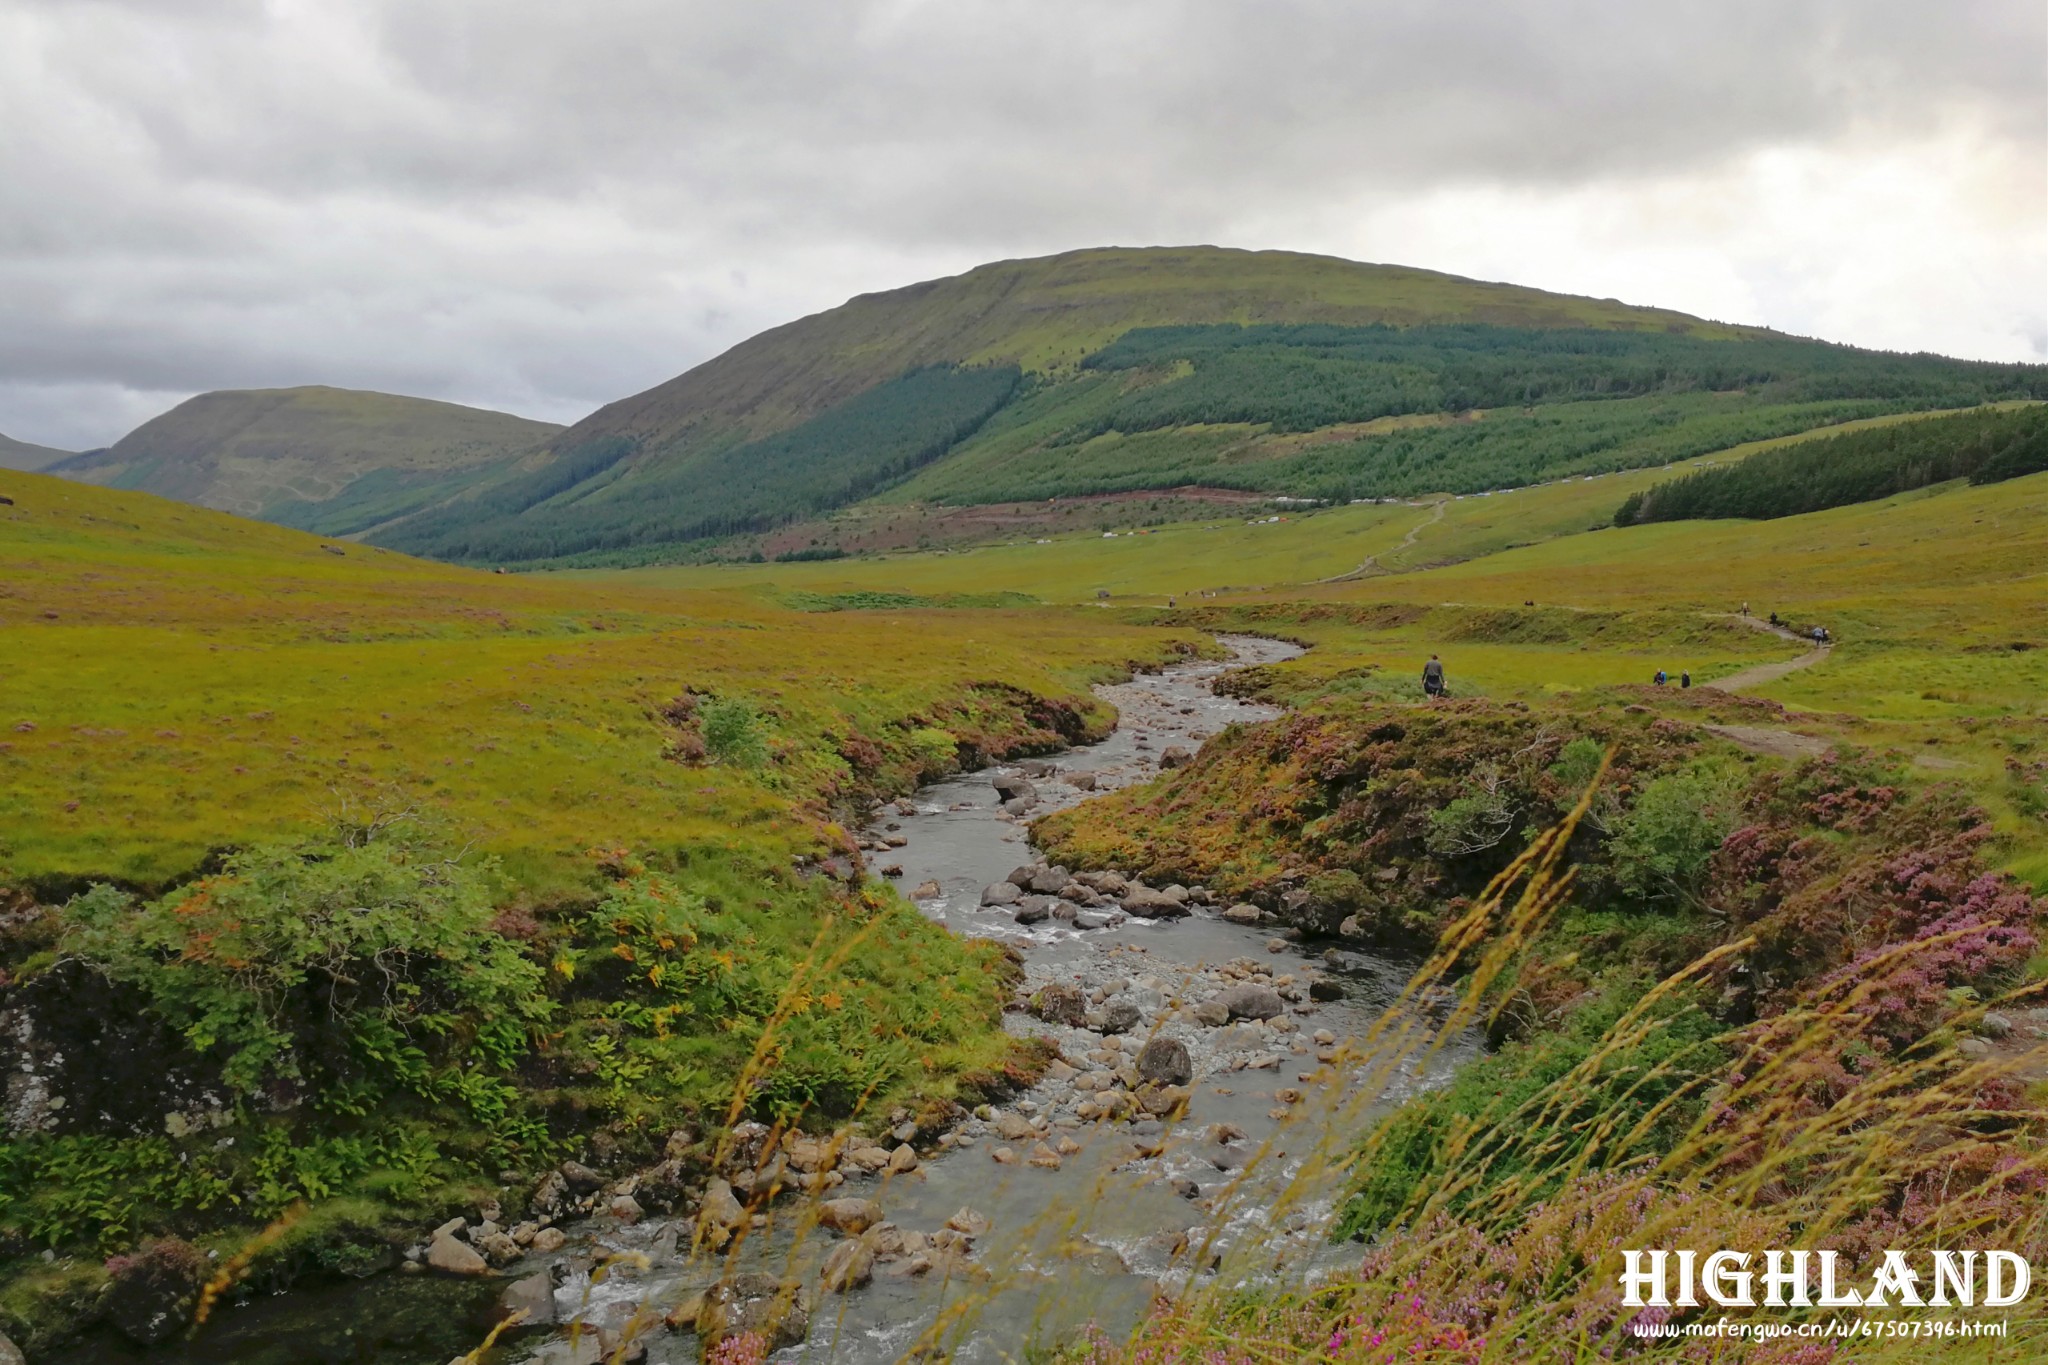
(21, 455)
(1117, 370)
(335, 461)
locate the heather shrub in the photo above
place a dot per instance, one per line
(733, 733)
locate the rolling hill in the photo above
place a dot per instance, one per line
(1123, 370)
(22, 455)
(335, 461)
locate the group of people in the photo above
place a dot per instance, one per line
(1434, 685)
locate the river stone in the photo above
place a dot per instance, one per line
(498, 1248)
(969, 1223)
(451, 1257)
(533, 1295)
(580, 1178)
(1146, 903)
(850, 1216)
(550, 1194)
(1085, 920)
(1034, 910)
(1120, 1017)
(1001, 893)
(1214, 1013)
(549, 1240)
(847, 1266)
(1107, 883)
(1021, 806)
(1020, 877)
(1174, 756)
(1011, 786)
(1323, 988)
(756, 1303)
(1165, 1061)
(925, 891)
(720, 1208)
(1060, 1004)
(1048, 881)
(1253, 1002)
(1014, 1127)
(903, 1160)
(1244, 912)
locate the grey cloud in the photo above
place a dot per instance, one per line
(543, 206)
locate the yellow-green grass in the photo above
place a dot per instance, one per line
(175, 680)
(1141, 564)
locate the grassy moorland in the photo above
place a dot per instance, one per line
(571, 817)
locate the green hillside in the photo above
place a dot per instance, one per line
(1124, 370)
(22, 455)
(335, 461)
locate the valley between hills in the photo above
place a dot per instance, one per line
(925, 834)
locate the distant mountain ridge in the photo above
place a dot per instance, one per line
(325, 459)
(1119, 370)
(28, 457)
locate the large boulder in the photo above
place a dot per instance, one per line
(1013, 786)
(1165, 1061)
(533, 1296)
(1120, 1016)
(452, 1257)
(1146, 903)
(850, 1216)
(1175, 756)
(1001, 893)
(1244, 912)
(848, 1266)
(10, 1354)
(753, 1302)
(1061, 1004)
(1034, 910)
(1049, 881)
(153, 1292)
(1253, 1002)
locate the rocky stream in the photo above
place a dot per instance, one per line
(1208, 1065)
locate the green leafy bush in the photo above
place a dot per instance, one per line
(1661, 847)
(733, 733)
(352, 960)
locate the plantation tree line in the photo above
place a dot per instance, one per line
(1859, 466)
(1301, 378)
(859, 447)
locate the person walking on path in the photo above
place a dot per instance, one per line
(1433, 677)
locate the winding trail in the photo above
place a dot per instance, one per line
(1407, 542)
(1762, 739)
(1770, 673)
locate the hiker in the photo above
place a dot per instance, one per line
(1775, 622)
(1433, 677)
(1817, 634)
(1662, 677)
(1684, 679)
(1745, 608)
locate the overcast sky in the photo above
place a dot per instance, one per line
(541, 206)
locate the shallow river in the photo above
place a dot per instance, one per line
(1091, 1240)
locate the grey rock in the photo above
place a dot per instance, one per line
(1034, 910)
(847, 1266)
(1001, 893)
(1049, 881)
(534, 1295)
(1324, 988)
(451, 1257)
(1214, 1013)
(755, 1303)
(1244, 912)
(1175, 756)
(1086, 920)
(1060, 1004)
(1010, 786)
(1146, 903)
(850, 1216)
(1165, 1061)
(1120, 1017)
(580, 1178)
(1253, 1002)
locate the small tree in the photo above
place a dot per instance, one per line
(733, 733)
